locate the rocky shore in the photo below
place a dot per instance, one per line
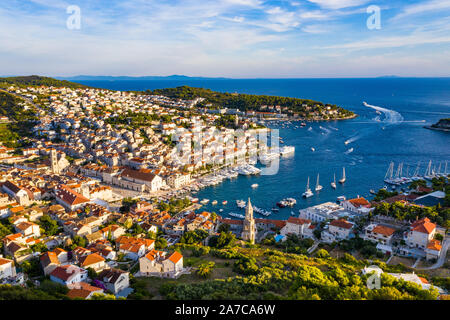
(441, 125)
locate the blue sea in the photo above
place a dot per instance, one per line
(396, 134)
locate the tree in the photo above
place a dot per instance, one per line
(205, 269)
(79, 242)
(160, 243)
(322, 253)
(92, 273)
(49, 225)
(39, 247)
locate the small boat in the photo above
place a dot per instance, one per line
(220, 210)
(236, 215)
(313, 149)
(372, 191)
(333, 184)
(292, 213)
(214, 202)
(318, 186)
(255, 185)
(240, 203)
(204, 201)
(224, 202)
(340, 199)
(275, 209)
(343, 176)
(308, 193)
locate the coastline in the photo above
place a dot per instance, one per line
(437, 128)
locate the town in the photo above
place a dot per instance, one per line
(96, 202)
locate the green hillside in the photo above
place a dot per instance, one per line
(24, 81)
(246, 102)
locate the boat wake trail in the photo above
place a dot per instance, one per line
(327, 131)
(353, 139)
(391, 116)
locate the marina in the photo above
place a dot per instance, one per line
(397, 135)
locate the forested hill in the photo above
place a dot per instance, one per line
(246, 102)
(13, 108)
(24, 81)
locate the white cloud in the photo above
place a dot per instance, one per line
(338, 4)
(422, 8)
(393, 42)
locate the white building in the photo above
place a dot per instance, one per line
(157, 263)
(338, 230)
(378, 233)
(321, 212)
(421, 232)
(7, 268)
(299, 227)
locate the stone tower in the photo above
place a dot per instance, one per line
(54, 161)
(249, 227)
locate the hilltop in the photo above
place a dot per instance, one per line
(245, 102)
(34, 80)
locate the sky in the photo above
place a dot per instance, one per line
(226, 38)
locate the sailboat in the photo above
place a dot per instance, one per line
(318, 186)
(428, 173)
(333, 184)
(415, 175)
(343, 176)
(308, 193)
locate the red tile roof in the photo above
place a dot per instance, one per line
(434, 245)
(423, 225)
(175, 257)
(359, 202)
(70, 197)
(91, 259)
(341, 223)
(386, 231)
(299, 221)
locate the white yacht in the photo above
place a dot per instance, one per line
(343, 176)
(204, 201)
(240, 203)
(255, 185)
(236, 215)
(287, 150)
(333, 184)
(318, 186)
(308, 193)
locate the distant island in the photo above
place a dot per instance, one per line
(441, 125)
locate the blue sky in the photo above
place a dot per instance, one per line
(226, 38)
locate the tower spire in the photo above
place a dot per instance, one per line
(249, 227)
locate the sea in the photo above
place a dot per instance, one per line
(389, 128)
